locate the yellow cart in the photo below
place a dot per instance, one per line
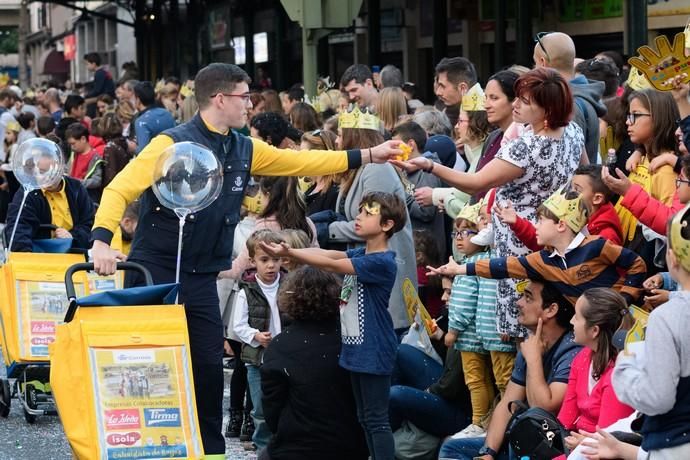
(121, 374)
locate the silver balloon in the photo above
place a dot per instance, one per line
(38, 163)
(187, 176)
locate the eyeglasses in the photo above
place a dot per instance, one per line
(537, 39)
(463, 234)
(632, 117)
(680, 181)
(246, 97)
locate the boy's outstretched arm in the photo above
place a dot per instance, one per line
(332, 261)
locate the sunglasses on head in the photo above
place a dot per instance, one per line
(537, 39)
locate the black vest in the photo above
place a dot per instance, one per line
(259, 317)
(208, 234)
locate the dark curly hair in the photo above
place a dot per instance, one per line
(310, 294)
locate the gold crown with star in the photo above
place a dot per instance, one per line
(572, 211)
(471, 212)
(679, 236)
(474, 99)
(359, 119)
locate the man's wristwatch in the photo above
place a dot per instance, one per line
(486, 450)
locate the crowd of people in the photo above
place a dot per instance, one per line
(531, 211)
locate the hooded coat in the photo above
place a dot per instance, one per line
(588, 108)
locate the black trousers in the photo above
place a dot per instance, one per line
(199, 295)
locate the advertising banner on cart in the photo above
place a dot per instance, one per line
(142, 402)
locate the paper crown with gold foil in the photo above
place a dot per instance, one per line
(664, 63)
(636, 80)
(571, 211)
(13, 126)
(358, 119)
(470, 213)
(474, 100)
(680, 246)
(686, 31)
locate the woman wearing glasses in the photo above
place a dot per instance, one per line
(525, 171)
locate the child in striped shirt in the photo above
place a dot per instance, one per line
(462, 323)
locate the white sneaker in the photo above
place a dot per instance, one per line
(471, 431)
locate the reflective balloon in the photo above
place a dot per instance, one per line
(38, 163)
(187, 176)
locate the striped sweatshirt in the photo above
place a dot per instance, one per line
(596, 262)
(487, 329)
(462, 309)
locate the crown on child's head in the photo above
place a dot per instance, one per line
(473, 100)
(572, 211)
(678, 235)
(359, 119)
(470, 213)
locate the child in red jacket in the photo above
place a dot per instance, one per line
(603, 221)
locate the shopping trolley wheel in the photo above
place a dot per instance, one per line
(30, 395)
(5, 398)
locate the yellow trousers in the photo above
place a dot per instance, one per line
(478, 379)
(502, 363)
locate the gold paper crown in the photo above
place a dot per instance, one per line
(686, 31)
(474, 100)
(359, 119)
(636, 80)
(470, 213)
(13, 126)
(678, 243)
(186, 91)
(572, 211)
(665, 63)
(4, 79)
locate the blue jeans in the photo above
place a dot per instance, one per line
(427, 411)
(466, 449)
(371, 398)
(413, 368)
(261, 432)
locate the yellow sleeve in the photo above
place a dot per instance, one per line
(664, 184)
(271, 161)
(126, 187)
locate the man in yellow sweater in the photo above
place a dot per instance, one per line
(222, 92)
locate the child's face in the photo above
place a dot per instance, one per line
(267, 267)
(10, 137)
(683, 188)
(368, 225)
(80, 145)
(583, 185)
(547, 231)
(463, 233)
(78, 112)
(584, 335)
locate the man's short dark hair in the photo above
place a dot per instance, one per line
(411, 130)
(601, 70)
(594, 173)
(72, 102)
(25, 118)
(76, 131)
(45, 125)
(392, 208)
(145, 92)
(173, 80)
(457, 70)
(357, 72)
(391, 77)
(271, 127)
(93, 58)
(551, 295)
(296, 94)
(217, 78)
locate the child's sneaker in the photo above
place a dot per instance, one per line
(471, 431)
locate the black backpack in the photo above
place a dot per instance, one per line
(535, 432)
